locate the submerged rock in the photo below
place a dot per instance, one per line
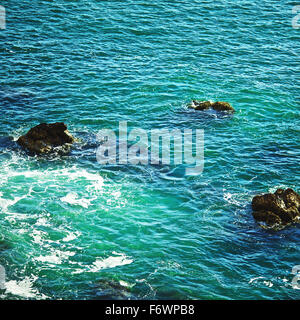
(205, 105)
(112, 289)
(44, 137)
(278, 209)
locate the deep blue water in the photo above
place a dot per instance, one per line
(71, 228)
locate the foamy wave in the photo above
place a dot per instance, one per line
(23, 288)
(69, 174)
(57, 257)
(267, 283)
(5, 203)
(72, 198)
(119, 259)
(40, 181)
(71, 236)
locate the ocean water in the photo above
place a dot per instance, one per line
(73, 229)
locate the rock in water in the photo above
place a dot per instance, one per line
(113, 290)
(205, 105)
(222, 106)
(277, 209)
(201, 105)
(45, 137)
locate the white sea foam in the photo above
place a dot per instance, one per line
(230, 198)
(37, 237)
(42, 222)
(95, 178)
(57, 257)
(119, 259)
(267, 283)
(71, 236)
(72, 198)
(125, 284)
(5, 203)
(41, 181)
(69, 174)
(24, 288)
(255, 279)
(273, 189)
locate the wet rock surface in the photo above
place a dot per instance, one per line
(278, 209)
(206, 105)
(43, 138)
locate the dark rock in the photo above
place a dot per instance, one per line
(205, 105)
(200, 105)
(277, 209)
(222, 106)
(45, 137)
(112, 290)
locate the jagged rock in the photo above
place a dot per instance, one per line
(277, 209)
(205, 105)
(43, 138)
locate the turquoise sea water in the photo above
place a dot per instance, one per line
(72, 229)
